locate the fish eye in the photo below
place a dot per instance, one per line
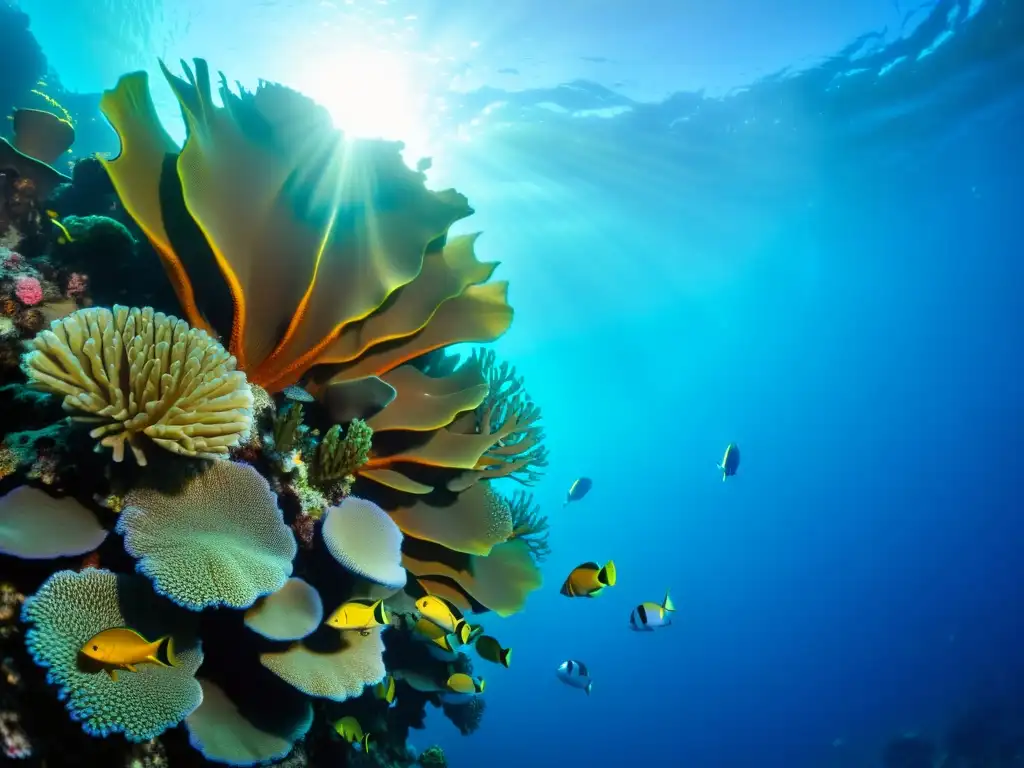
(95, 647)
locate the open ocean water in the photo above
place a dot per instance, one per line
(796, 226)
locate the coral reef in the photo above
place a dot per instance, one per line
(301, 441)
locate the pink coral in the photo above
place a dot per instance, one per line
(28, 290)
(77, 285)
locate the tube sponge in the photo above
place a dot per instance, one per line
(72, 607)
(291, 613)
(35, 525)
(365, 540)
(139, 372)
(220, 540)
(222, 732)
(336, 675)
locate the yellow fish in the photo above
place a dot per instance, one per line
(385, 690)
(436, 634)
(350, 730)
(463, 683)
(491, 650)
(360, 614)
(122, 648)
(589, 580)
(445, 615)
(65, 236)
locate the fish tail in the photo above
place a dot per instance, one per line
(480, 685)
(606, 575)
(164, 653)
(462, 631)
(506, 657)
(380, 614)
(589, 686)
(667, 604)
(366, 743)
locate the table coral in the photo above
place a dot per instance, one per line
(220, 730)
(473, 522)
(338, 675)
(220, 540)
(365, 540)
(291, 613)
(72, 607)
(143, 373)
(37, 526)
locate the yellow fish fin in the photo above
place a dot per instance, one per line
(130, 667)
(667, 604)
(506, 657)
(366, 743)
(462, 631)
(113, 675)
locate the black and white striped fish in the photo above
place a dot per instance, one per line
(575, 674)
(648, 617)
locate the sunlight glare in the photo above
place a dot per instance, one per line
(371, 94)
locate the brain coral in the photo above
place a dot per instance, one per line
(291, 613)
(35, 525)
(143, 373)
(223, 732)
(338, 675)
(72, 607)
(221, 540)
(365, 540)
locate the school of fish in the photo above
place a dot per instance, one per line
(591, 579)
(441, 626)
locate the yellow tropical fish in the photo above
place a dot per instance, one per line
(121, 648)
(435, 634)
(491, 650)
(350, 730)
(445, 615)
(385, 690)
(65, 236)
(463, 683)
(589, 580)
(359, 614)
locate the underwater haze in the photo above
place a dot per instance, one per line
(793, 226)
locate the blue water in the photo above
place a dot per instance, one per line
(822, 265)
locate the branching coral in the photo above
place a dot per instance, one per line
(340, 456)
(529, 525)
(143, 373)
(286, 427)
(221, 540)
(72, 607)
(519, 453)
